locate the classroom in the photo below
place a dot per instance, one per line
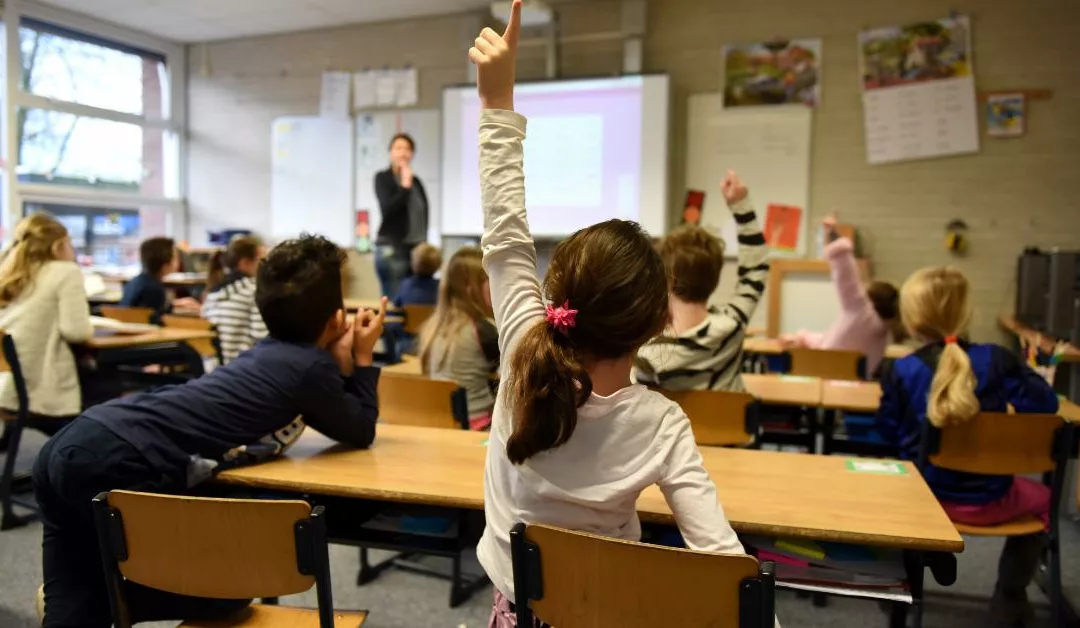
(783, 328)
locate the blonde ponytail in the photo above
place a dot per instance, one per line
(934, 307)
(952, 391)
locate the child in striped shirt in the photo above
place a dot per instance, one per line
(230, 304)
(702, 348)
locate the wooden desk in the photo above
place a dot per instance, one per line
(861, 397)
(771, 346)
(409, 365)
(769, 493)
(164, 335)
(1069, 411)
(1030, 336)
(184, 280)
(784, 389)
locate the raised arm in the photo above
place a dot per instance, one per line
(509, 252)
(845, 275)
(753, 252)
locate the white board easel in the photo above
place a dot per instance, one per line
(769, 147)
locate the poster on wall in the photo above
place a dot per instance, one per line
(773, 73)
(1005, 115)
(918, 90)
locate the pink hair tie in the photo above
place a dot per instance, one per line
(562, 318)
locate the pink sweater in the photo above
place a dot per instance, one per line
(858, 328)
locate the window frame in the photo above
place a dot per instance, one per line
(16, 193)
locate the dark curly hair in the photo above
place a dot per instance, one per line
(298, 288)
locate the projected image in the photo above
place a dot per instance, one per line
(586, 150)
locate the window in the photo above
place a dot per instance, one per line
(95, 113)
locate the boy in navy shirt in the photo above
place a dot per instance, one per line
(159, 258)
(313, 369)
(421, 287)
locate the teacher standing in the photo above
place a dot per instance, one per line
(404, 207)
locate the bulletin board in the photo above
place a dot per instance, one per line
(769, 147)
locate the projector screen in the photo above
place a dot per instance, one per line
(595, 149)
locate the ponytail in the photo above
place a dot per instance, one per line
(547, 384)
(215, 274)
(952, 391)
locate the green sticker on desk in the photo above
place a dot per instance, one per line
(485, 442)
(882, 467)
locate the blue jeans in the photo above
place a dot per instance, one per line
(392, 264)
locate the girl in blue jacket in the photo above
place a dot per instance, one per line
(948, 381)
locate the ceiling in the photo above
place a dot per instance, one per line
(204, 20)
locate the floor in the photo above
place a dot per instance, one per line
(404, 600)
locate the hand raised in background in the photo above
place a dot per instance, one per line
(495, 56)
(368, 328)
(732, 188)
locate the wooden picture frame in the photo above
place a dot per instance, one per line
(779, 270)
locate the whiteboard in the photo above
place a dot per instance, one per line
(373, 133)
(769, 147)
(310, 184)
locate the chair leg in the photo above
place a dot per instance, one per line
(1054, 580)
(9, 519)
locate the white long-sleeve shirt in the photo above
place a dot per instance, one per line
(51, 312)
(623, 442)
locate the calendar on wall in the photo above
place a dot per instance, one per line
(918, 91)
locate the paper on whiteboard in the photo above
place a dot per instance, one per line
(370, 150)
(334, 97)
(385, 88)
(769, 148)
(407, 87)
(363, 89)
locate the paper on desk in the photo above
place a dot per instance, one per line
(100, 322)
(894, 595)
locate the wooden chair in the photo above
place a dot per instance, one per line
(826, 363)
(994, 443)
(416, 316)
(139, 315)
(422, 401)
(720, 418)
(206, 347)
(219, 548)
(577, 579)
(13, 427)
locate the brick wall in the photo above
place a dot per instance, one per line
(1014, 193)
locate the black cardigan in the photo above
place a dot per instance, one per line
(394, 206)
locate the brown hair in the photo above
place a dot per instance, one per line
(934, 306)
(402, 136)
(240, 247)
(34, 244)
(885, 298)
(694, 258)
(426, 260)
(611, 274)
(461, 302)
(156, 253)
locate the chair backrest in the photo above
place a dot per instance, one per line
(9, 363)
(719, 418)
(827, 363)
(420, 401)
(217, 548)
(140, 315)
(206, 347)
(996, 443)
(571, 578)
(416, 316)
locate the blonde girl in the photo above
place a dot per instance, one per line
(459, 341)
(44, 309)
(948, 381)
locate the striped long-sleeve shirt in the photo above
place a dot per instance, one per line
(232, 309)
(709, 355)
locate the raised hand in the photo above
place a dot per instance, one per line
(829, 222)
(494, 56)
(368, 328)
(406, 175)
(732, 188)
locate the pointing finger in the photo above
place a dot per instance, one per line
(513, 27)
